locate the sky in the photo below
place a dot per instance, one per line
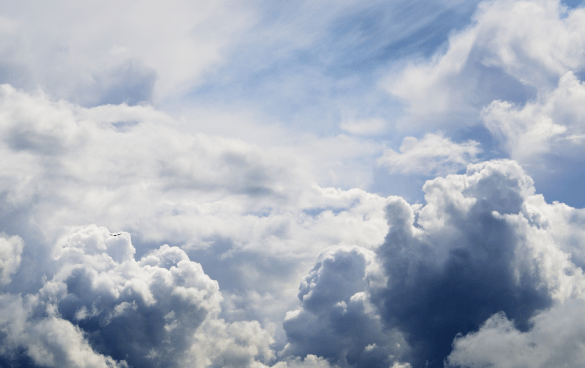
(292, 184)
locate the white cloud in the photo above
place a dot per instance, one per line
(552, 124)
(50, 341)
(161, 308)
(251, 212)
(512, 49)
(110, 52)
(483, 243)
(555, 339)
(10, 257)
(388, 274)
(432, 155)
(310, 361)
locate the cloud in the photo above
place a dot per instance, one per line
(432, 155)
(102, 308)
(513, 50)
(50, 342)
(96, 53)
(10, 257)
(250, 216)
(105, 52)
(336, 319)
(394, 285)
(484, 245)
(555, 339)
(458, 263)
(310, 361)
(552, 124)
(129, 149)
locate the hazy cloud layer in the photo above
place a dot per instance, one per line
(150, 51)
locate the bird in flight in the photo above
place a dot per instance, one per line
(116, 234)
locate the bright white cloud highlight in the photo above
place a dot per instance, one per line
(551, 125)
(250, 212)
(10, 257)
(512, 49)
(161, 308)
(555, 339)
(433, 154)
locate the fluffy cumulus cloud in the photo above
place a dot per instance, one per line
(251, 217)
(555, 339)
(553, 124)
(336, 319)
(483, 251)
(433, 154)
(459, 262)
(103, 308)
(241, 255)
(67, 165)
(512, 51)
(485, 265)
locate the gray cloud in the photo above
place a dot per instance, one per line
(481, 247)
(102, 308)
(458, 263)
(336, 319)
(228, 204)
